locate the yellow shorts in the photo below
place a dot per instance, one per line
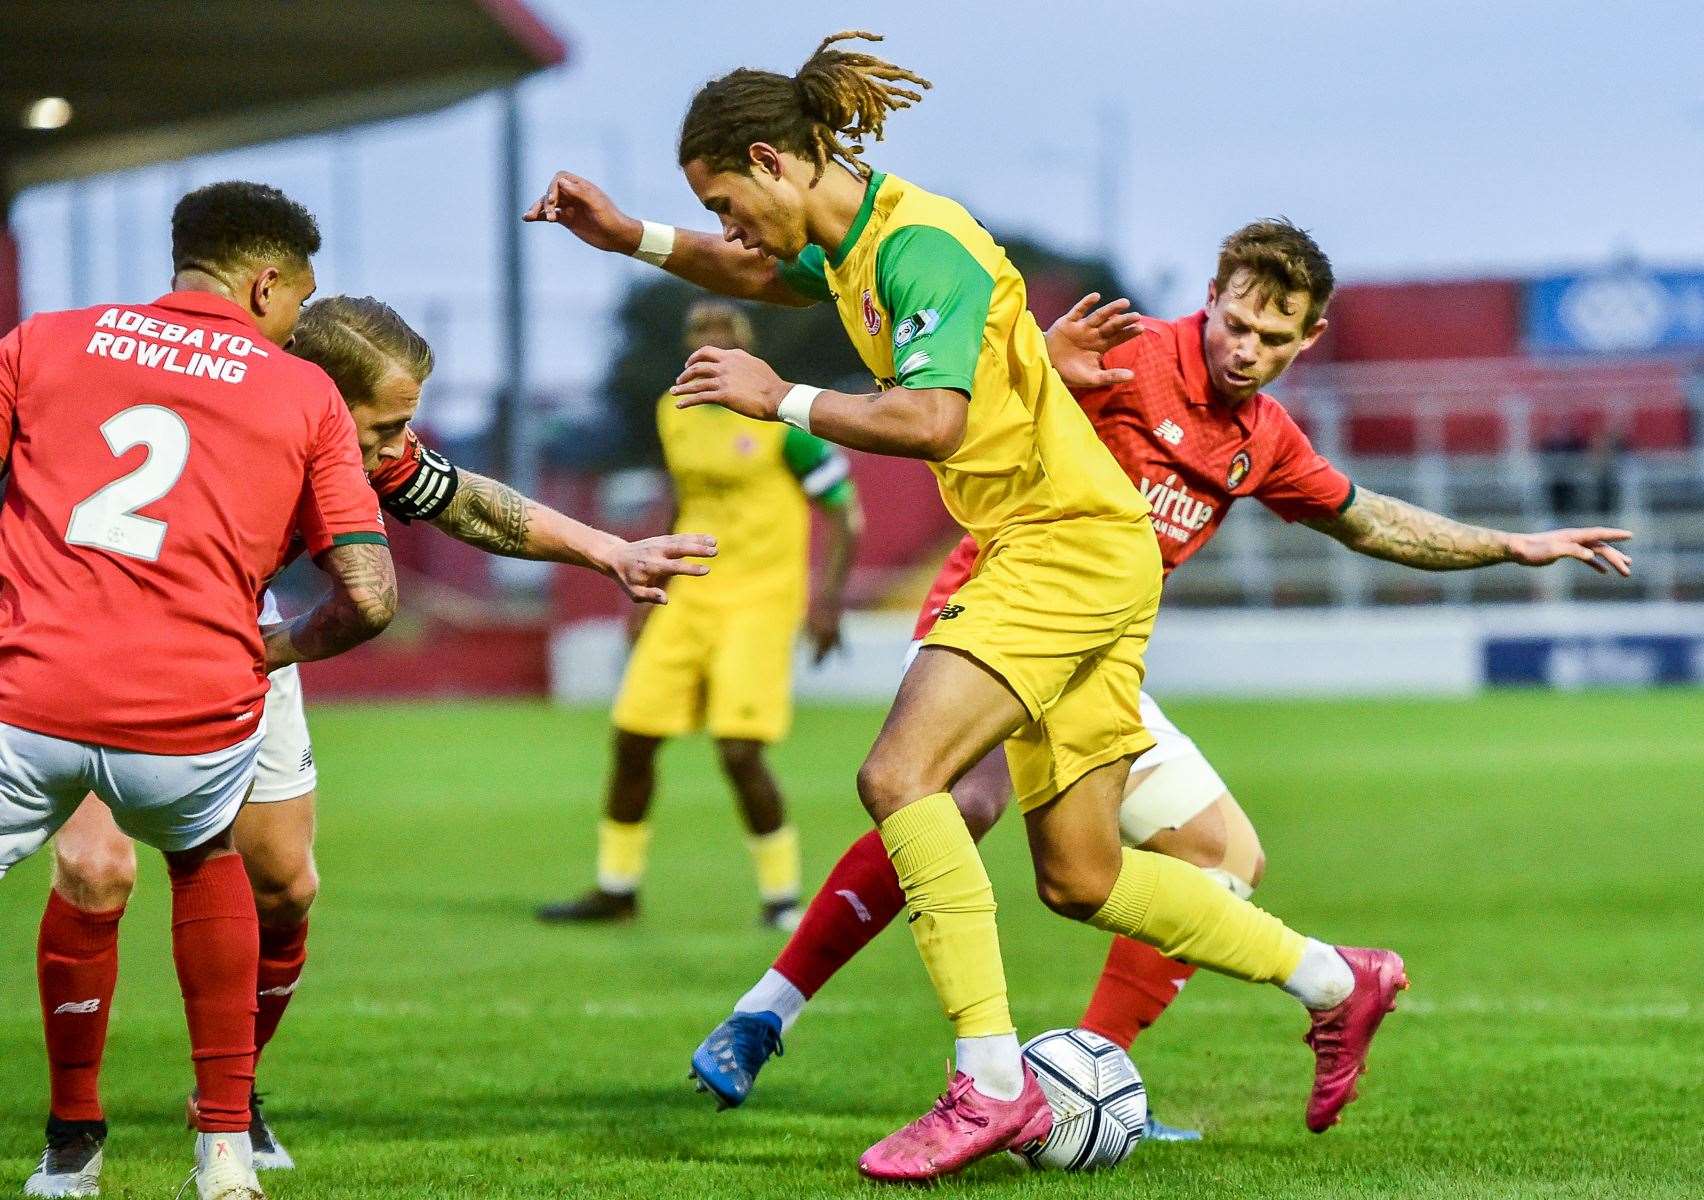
(1062, 613)
(697, 666)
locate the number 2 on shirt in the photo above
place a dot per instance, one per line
(107, 520)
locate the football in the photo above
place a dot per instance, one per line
(1100, 1108)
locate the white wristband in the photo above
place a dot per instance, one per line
(795, 407)
(656, 243)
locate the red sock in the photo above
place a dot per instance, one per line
(216, 946)
(1136, 986)
(859, 898)
(76, 971)
(282, 955)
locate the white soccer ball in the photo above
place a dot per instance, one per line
(1100, 1108)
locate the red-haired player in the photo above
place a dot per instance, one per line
(1181, 407)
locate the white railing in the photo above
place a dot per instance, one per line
(1479, 443)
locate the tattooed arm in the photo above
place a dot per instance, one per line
(1394, 530)
(362, 602)
(495, 517)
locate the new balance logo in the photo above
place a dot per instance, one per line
(1169, 431)
(949, 611)
(911, 918)
(280, 991)
(851, 897)
(307, 760)
(78, 1006)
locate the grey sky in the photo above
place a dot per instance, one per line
(1413, 139)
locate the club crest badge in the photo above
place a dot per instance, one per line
(872, 315)
(1238, 472)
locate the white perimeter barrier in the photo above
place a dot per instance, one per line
(1440, 650)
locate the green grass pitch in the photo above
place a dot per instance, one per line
(1538, 858)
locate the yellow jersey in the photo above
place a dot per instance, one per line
(930, 300)
(746, 483)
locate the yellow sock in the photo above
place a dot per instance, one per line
(776, 858)
(622, 850)
(950, 907)
(1178, 910)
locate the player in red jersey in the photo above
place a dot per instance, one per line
(379, 365)
(163, 457)
(1181, 406)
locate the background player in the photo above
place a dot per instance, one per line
(721, 655)
(1046, 644)
(379, 365)
(130, 660)
(1182, 408)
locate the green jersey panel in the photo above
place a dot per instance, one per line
(804, 275)
(937, 295)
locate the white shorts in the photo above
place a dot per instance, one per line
(1169, 741)
(1174, 782)
(286, 767)
(170, 801)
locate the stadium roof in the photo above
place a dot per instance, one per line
(170, 78)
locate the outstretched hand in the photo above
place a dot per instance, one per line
(732, 378)
(642, 568)
(1076, 341)
(1590, 546)
(582, 207)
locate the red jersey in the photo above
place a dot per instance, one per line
(162, 459)
(1187, 451)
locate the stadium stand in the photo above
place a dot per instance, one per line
(148, 83)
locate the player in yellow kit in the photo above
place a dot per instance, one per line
(721, 657)
(1043, 647)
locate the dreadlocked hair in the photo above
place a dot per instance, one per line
(824, 113)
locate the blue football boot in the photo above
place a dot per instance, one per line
(727, 1062)
(1159, 1131)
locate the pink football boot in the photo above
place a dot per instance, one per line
(1341, 1036)
(963, 1126)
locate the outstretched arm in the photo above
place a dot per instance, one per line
(926, 423)
(362, 602)
(1385, 527)
(708, 260)
(495, 517)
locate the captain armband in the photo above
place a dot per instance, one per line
(425, 487)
